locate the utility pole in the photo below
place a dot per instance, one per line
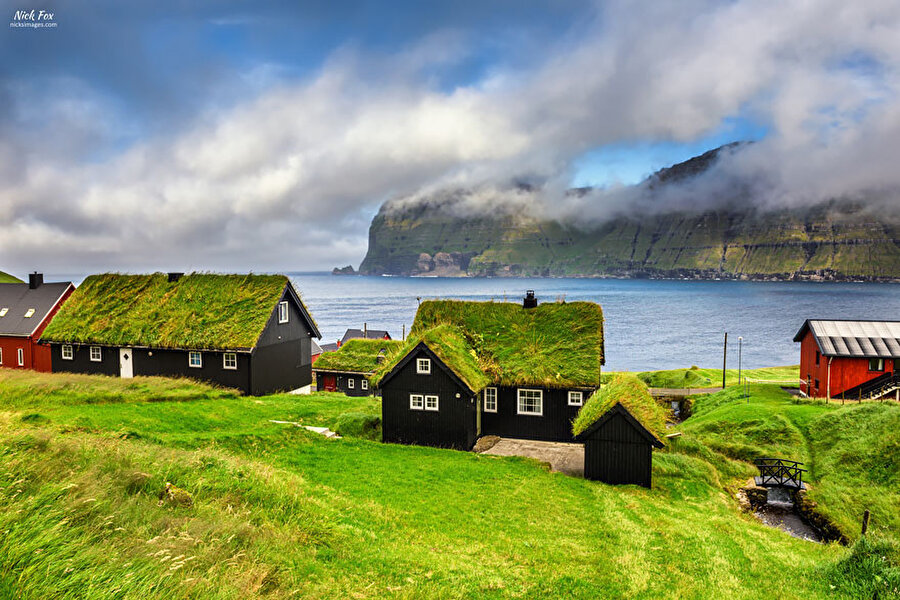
(724, 359)
(740, 358)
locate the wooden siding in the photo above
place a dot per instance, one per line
(451, 426)
(846, 372)
(554, 425)
(341, 384)
(617, 453)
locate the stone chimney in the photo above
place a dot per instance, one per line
(35, 280)
(173, 277)
(530, 300)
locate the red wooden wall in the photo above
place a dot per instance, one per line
(845, 372)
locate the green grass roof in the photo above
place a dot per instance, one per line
(357, 356)
(557, 344)
(200, 310)
(633, 394)
(451, 345)
(7, 278)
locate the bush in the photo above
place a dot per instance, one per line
(361, 425)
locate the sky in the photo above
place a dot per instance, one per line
(263, 136)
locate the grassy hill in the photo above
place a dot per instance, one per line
(7, 278)
(279, 512)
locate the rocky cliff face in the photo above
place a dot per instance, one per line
(832, 241)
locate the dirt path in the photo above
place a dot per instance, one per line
(565, 458)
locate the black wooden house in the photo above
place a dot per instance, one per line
(247, 332)
(491, 368)
(348, 368)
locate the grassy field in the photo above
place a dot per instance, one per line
(280, 512)
(696, 377)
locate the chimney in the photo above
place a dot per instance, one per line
(365, 331)
(173, 277)
(380, 358)
(35, 280)
(530, 300)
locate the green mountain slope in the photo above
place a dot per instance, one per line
(7, 278)
(831, 241)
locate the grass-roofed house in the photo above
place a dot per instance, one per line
(248, 332)
(619, 426)
(491, 368)
(347, 370)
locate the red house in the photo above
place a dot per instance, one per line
(25, 310)
(849, 359)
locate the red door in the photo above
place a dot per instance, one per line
(328, 383)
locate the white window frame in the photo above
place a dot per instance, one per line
(225, 365)
(423, 366)
(191, 355)
(364, 384)
(880, 364)
(351, 383)
(490, 391)
(1, 356)
(284, 315)
(67, 352)
(99, 354)
(429, 405)
(416, 402)
(20, 355)
(576, 398)
(540, 398)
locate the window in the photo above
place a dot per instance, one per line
(818, 356)
(416, 402)
(195, 360)
(490, 400)
(229, 361)
(576, 398)
(20, 354)
(876, 364)
(67, 353)
(283, 314)
(423, 366)
(96, 354)
(351, 383)
(29, 313)
(3, 311)
(1, 356)
(364, 384)
(531, 402)
(431, 402)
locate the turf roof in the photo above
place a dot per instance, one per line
(357, 356)
(7, 278)
(200, 310)
(450, 345)
(633, 394)
(558, 344)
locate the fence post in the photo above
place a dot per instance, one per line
(865, 523)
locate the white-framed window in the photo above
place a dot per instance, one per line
(20, 354)
(67, 353)
(195, 359)
(29, 313)
(96, 354)
(283, 314)
(431, 402)
(3, 311)
(351, 383)
(1, 356)
(876, 364)
(423, 366)
(364, 384)
(531, 402)
(490, 400)
(576, 398)
(416, 402)
(229, 361)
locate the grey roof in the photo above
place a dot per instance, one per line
(332, 347)
(316, 349)
(18, 299)
(371, 334)
(863, 339)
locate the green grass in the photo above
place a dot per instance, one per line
(7, 278)
(633, 394)
(697, 377)
(280, 512)
(358, 355)
(200, 310)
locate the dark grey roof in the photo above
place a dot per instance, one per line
(316, 348)
(861, 339)
(332, 347)
(16, 299)
(371, 334)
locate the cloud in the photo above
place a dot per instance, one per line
(289, 178)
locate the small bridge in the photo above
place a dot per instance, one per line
(780, 472)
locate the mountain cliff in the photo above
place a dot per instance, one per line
(831, 241)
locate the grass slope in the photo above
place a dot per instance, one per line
(633, 394)
(7, 278)
(280, 512)
(696, 377)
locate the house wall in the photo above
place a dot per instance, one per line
(451, 426)
(81, 361)
(618, 454)
(846, 372)
(554, 425)
(342, 385)
(9, 346)
(282, 359)
(42, 354)
(175, 363)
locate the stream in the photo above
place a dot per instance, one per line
(780, 513)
